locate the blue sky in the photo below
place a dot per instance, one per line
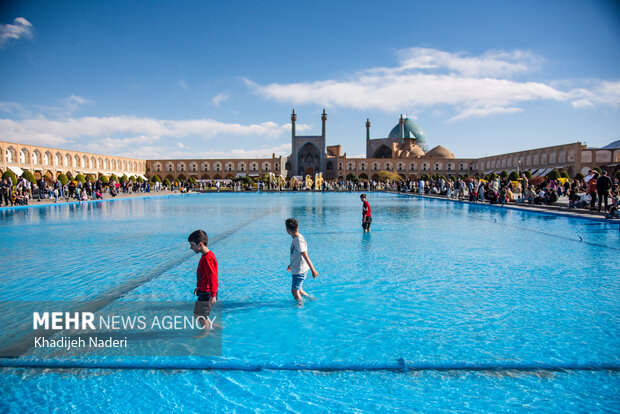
(210, 79)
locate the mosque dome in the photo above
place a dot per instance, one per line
(412, 130)
(440, 152)
(416, 151)
(410, 150)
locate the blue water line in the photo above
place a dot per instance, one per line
(77, 203)
(515, 208)
(399, 365)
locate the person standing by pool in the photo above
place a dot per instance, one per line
(206, 276)
(603, 185)
(366, 216)
(592, 189)
(299, 261)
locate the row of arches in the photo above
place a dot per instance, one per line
(351, 166)
(53, 158)
(183, 177)
(375, 176)
(214, 166)
(53, 175)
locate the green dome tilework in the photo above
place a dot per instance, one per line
(412, 130)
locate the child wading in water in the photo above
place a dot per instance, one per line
(366, 216)
(300, 262)
(206, 280)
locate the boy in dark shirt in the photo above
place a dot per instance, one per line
(603, 184)
(206, 276)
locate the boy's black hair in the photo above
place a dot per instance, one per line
(292, 224)
(198, 236)
(362, 195)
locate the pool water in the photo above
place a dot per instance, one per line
(435, 284)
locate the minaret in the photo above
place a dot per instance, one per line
(323, 161)
(367, 129)
(293, 119)
(401, 121)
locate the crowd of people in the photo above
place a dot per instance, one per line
(24, 191)
(597, 190)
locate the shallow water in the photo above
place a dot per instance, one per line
(435, 282)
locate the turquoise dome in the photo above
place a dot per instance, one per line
(412, 130)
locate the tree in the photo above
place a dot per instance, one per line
(28, 176)
(389, 176)
(503, 174)
(63, 179)
(80, 178)
(598, 169)
(132, 179)
(114, 178)
(155, 179)
(490, 177)
(352, 177)
(91, 178)
(123, 179)
(579, 176)
(553, 175)
(244, 180)
(617, 175)
(103, 179)
(424, 177)
(141, 180)
(564, 174)
(9, 174)
(514, 176)
(528, 174)
(166, 182)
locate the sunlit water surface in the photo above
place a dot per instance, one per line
(434, 282)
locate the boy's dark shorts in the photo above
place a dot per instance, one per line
(203, 304)
(366, 222)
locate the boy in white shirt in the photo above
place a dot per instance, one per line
(299, 261)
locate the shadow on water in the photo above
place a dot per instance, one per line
(118, 292)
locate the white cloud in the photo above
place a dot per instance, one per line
(74, 103)
(11, 107)
(282, 149)
(481, 112)
(491, 63)
(218, 99)
(109, 145)
(120, 134)
(65, 109)
(581, 103)
(607, 93)
(472, 85)
(183, 85)
(20, 29)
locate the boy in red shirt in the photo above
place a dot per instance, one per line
(206, 276)
(366, 216)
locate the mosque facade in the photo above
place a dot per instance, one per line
(404, 151)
